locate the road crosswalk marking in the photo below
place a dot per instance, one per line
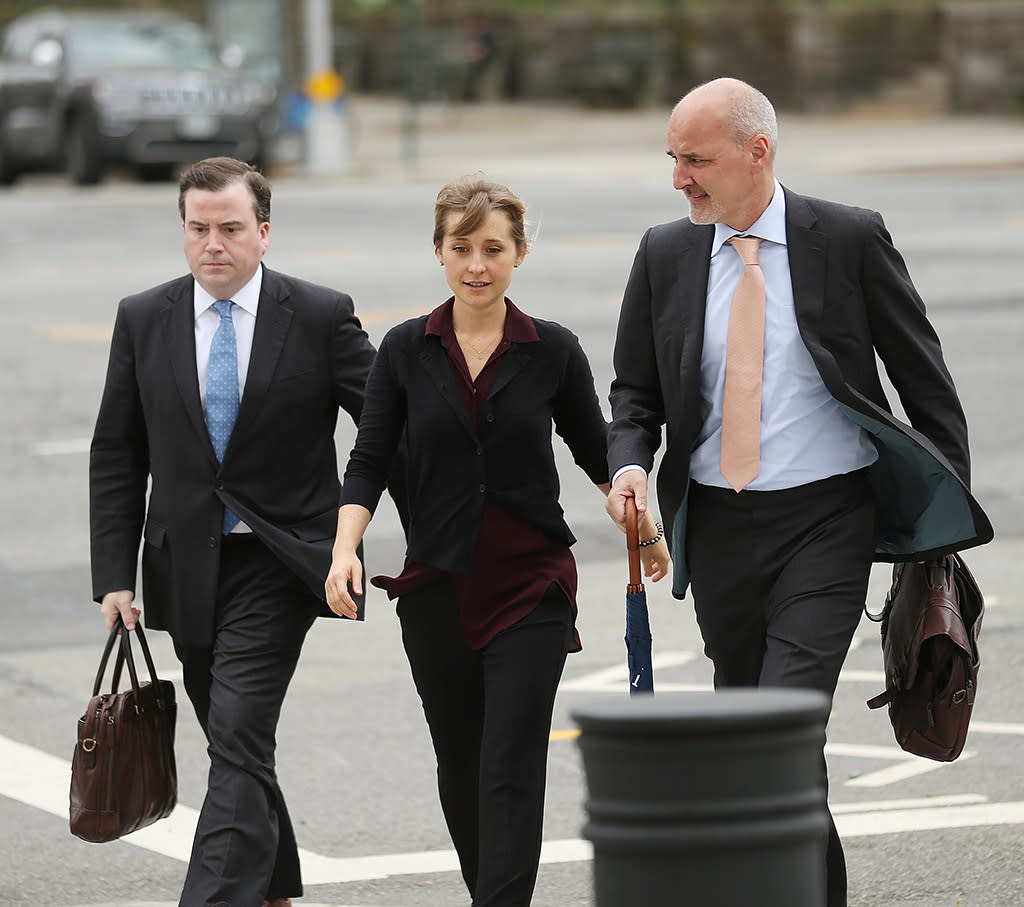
(41, 780)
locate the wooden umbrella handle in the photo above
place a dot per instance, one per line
(633, 546)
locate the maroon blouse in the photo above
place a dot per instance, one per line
(515, 562)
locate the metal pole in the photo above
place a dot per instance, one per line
(411, 79)
(326, 133)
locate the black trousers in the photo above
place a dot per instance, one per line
(489, 715)
(244, 848)
(779, 580)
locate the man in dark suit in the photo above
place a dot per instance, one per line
(774, 513)
(222, 393)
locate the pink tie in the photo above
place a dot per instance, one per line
(741, 403)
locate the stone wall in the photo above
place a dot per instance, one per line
(810, 58)
(983, 56)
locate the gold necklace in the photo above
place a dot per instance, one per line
(479, 353)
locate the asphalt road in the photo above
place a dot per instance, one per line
(354, 755)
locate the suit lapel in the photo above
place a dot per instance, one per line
(807, 254)
(682, 323)
(179, 327)
(273, 318)
(513, 362)
(435, 363)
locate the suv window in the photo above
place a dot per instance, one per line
(129, 45)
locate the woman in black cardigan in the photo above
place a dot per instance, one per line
(487, 597)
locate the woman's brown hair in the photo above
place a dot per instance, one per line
(476, 198)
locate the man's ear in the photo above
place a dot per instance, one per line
(760, 151)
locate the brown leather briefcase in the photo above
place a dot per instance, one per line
(930, 626)
(123, 774)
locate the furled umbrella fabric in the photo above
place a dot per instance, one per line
(638, 625)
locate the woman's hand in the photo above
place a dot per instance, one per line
(345, 569)
(654, 559)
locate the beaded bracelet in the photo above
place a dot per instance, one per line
(657, 538)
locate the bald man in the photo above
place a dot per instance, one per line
(777, 550)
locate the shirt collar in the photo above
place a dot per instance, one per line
(770, 226)
(247, 298)
(519, 327)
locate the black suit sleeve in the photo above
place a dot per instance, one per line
(118, 469)
(577, 414)
(353, 356)
(910, 351)
(374, 457)
(638, 407)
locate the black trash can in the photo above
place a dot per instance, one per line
(707, 799)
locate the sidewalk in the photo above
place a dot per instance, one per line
(389, 140)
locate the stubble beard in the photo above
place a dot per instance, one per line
(707, 211)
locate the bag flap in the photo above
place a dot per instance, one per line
(923, 604)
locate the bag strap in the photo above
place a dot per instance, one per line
(125, 656)
(633, 546)
(881, 616)
(106, 655)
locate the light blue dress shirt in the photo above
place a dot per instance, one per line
(243, 316)
(805, 436)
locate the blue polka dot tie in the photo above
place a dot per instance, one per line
(222, 390)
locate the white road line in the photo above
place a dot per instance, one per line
(616, 678)
(995, 727)
(58, 448)
(901, 771)
(855, 675)
(41, 780)
(898, 821)
(839, 809)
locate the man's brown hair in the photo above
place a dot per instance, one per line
(217, 173)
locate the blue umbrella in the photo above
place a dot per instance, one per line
(638, 624)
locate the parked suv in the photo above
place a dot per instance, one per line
(85, 90)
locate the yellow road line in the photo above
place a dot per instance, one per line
(76, 333)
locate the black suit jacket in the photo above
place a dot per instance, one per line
(853, 298)
(453, 466)
(279, 472)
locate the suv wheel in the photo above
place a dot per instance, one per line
(8, 172)
(84, 158)
(157, 173)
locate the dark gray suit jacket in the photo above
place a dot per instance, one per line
(309, 357)
(853, 299)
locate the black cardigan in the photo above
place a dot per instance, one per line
(451, 466)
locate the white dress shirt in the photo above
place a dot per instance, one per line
(243, 316)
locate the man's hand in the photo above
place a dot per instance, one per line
(631, 484)
(119, 602)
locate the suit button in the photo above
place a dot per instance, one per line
(479, 451)
(490, 417)
(483, 488)
(220, 485)
(212, 542)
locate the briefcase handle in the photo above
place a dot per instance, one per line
(633, 545)
(124, 655)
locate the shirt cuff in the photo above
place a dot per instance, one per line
(620, 471)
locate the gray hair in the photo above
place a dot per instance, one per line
(753, 114)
